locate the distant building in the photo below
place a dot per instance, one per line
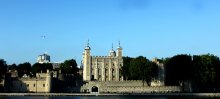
(56, 65)
(44, 58)
(102, 68)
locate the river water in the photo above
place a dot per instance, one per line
(104, 97)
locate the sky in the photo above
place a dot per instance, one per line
(152, 28)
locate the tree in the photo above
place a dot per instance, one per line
(12, 67)
(38, 68)
(125, 67)
(69, 67)
(139, 68)
(3, 68)
(206, 70)
(24, 68)
(178, 69)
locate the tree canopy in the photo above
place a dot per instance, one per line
(24, 68)
(178, 69)
(203, 71)
(69, 67)
(139, 68)
(38, 68)
(3, 68)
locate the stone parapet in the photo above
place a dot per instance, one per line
(127, 87)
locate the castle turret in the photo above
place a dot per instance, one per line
(161, 72)
(120, 62)
(119, 50)
(87, 63)
(112, 52)
(48, 85)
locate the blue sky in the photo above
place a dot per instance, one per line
(152, 28)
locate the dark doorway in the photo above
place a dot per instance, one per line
(95, 89)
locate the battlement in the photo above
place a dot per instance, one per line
(109, 61)
(103, 57)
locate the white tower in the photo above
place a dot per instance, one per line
(87, 63)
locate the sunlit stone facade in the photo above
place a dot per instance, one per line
(102, 68)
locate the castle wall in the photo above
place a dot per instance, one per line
(139, 89)
(127, 87)
(26, 84)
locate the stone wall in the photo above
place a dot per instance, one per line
(139, 89)
(127, 87)
(42, 83)
(26, 85)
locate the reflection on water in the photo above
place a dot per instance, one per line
(103, 97)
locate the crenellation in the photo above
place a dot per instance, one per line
(29, 84)
(102, 68)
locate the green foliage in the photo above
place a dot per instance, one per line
(3, 68)
(176, 68)
(69, 67)
(125, 67)
(202, 70)
(24, 68)
(139, 68)
(38, 68)
(206, 70)
(12, 67)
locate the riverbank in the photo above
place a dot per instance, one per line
(102, 94)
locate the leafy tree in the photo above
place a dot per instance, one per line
(3, 68)
(12, 67)
(24, 68)
(38, 68)
(206, 70)
(125, 67)
(139, 68)
(178, 69)
(69, 67)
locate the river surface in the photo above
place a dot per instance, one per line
(105, 97)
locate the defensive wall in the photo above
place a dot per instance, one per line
(126, 87)
(27, 84)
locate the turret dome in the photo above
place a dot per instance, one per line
(112, 52)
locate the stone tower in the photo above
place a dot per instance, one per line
(86, 63)
(161, 73)
(48, 85)
(119, 50)
(112, 52)
(120, 62)
(102, 68)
